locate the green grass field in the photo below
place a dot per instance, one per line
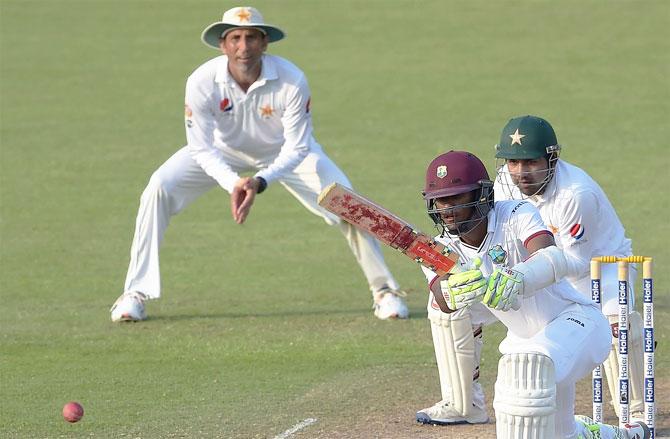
(264, 325)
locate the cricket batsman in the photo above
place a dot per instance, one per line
(584, 225)
(511, 271)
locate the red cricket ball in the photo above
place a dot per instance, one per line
(73, 411)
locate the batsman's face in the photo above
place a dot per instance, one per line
(456, 209)
(244, 48)
(529, 175)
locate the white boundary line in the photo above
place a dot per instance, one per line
(297, 427)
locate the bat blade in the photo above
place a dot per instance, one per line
(388, 228)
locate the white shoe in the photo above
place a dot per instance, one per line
(444, 414)
(595, 430)
(636, 417)
(388, 304)
(129, 307)
(637, 430)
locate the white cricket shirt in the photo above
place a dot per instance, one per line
(267, 128)
(580, 216)
(510, 225)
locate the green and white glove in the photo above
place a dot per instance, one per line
(502, 291)
(464, 288)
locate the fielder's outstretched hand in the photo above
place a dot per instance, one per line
(464, 288)
(242, 198)
(502, 291)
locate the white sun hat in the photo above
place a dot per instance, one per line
(241, 16)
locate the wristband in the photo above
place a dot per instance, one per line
(262, 184)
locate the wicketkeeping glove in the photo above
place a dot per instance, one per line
(465, 288)
(502, 291)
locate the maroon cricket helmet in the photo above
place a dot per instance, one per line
(453, 173)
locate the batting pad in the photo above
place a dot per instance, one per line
(525, 397)
(635, 365)
(455, 354)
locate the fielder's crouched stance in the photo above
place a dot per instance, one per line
(512, 272)
(246, 112)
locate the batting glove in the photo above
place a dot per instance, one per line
(465, 288)
(502, 291)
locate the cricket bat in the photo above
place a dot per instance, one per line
(388, 228)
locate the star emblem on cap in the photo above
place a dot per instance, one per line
(243, 14)
(516, 137)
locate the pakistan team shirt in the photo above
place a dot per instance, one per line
(268, 128)
(580, 216)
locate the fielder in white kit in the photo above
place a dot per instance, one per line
(584, 224)
(245, 112)
(513, 274)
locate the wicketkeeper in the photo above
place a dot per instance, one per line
(511, 272)
(584, 224)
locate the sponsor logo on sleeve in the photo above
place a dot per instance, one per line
(188, 114)
(577, 231)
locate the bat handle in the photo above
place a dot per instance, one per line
(474, 263)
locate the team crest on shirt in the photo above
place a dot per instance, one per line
(441, 171)
(577, 231)
(225, 105)
(497, 254)
(266, 111)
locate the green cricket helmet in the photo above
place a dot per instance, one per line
(527, 137)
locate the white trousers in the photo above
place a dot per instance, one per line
(577, 340)
(180, 180)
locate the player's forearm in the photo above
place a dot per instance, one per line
(200, 126)
(214, 165)
(545, 267)
(578, 262)
(297, 132)
(289, 157)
